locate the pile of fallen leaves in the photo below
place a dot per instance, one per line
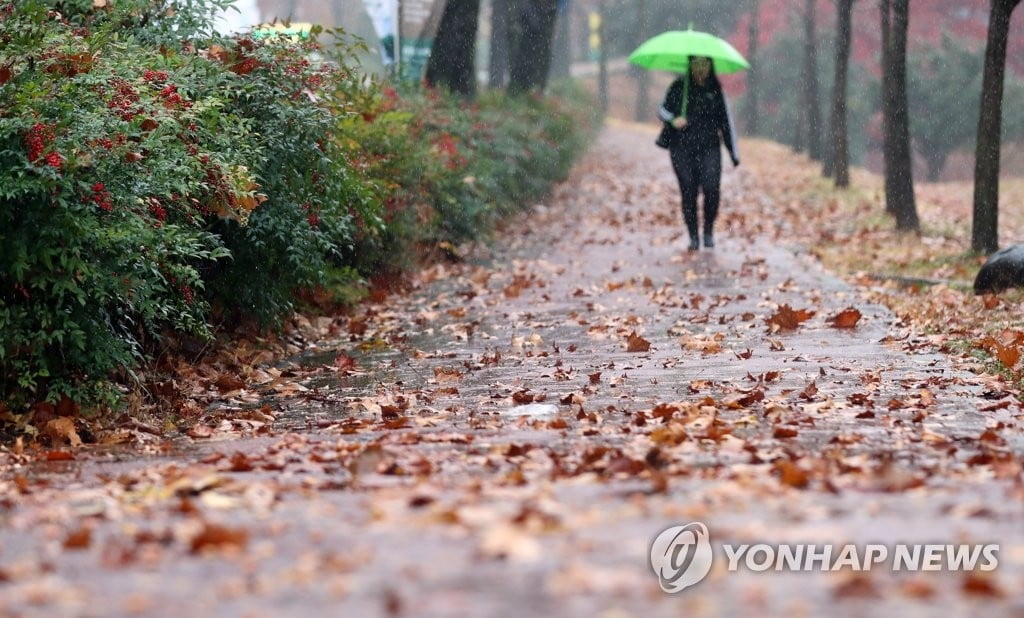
(926, 279)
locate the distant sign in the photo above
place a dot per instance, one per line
(419, 21)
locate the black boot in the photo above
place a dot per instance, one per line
(709, 237)
(690, 217)
(694, 241)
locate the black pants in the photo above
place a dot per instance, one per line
(696, 172)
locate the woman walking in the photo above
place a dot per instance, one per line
(697, 121)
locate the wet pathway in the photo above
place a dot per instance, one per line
(509, 439)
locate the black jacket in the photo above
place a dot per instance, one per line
(707, 116)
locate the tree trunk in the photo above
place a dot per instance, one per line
(812, 91)
(905, 208)
(452, 57)
(985, 224)
(830, 137)
(899, 178)
(602, 58)
(837, 157)
(887, 99)
(751, 112)
(561, 57)
(497, 65)
(532, 29)
(643, 77)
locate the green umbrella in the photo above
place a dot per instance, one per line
(292, 31)
(671, 51)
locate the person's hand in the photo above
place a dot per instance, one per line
(679, 122)
(735, 162)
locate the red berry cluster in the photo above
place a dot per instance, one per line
(246, 65)
(446, 145)
(172, 99)
(152, 76)
(38, 138)
(157, 210)
(312, 218)
(296, 68)
(123, 102)
(187, 293)
(109, 143)
(101, 197)
(315, 81)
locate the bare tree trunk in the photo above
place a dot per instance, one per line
(905, 207)
(497, 65)
(643, 78)
(751, 112)
(985, 223)
(452, 57)
(812, 91)
(837, 150)
(887, 99)
(602, 59)
(532, 28)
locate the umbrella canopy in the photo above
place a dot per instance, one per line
(671, 51)
(293, 31)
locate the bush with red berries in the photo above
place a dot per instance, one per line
(157, 178)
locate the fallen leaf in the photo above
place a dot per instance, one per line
(784, 432)
(636, 343)
(978, 585)
(216, 537)
(78, 539)
(227, 383)
(846, 318)
(792, 475)
(445, 374)
(62, 431)
(787, 318)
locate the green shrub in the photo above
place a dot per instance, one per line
(448, 170)
(315, 206)
(154, 174)
(106, 148)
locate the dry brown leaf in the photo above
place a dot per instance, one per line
(1008, 355)
(792, 475)
(62, 431)
(975, 584)
(784, 432)
(344, 362)
(227, 383)
(846, 318)
(636, 343)
(447, 374)
(217, 537)
(787, 318)
(78, 539)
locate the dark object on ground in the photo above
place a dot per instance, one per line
(1003, 269)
